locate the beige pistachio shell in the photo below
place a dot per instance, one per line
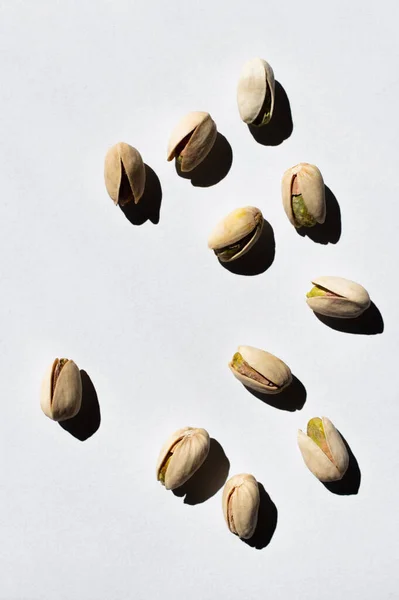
(192, 140)
(256, 78)
(260, 370)
(338, 297)
(330, 464)
(61, 392)
(241, 505)
(124, 174)
(237, 226)
(181, 456)
(309, 183)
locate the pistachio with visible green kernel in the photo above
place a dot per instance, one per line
(181, 456)
(303, 194)
(240, 503)
(192, 140)
(255, 92)
(323, 450)
(260, 370)
(337, 297)
(61, 392)
(124, 174)
(236, 234)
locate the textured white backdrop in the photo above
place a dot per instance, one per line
(153, 318)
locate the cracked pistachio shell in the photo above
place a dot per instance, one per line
(236, 233)
(337, 297)
(305, 182)
(192, 140)
(181, 456)
(260, 370)
(124, 174)
(61, 393)
(241, 501)
(323, 450)
(255, 88)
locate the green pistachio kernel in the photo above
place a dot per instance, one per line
(316, 432)
(316, 291)
(264, 115)
(301, 214)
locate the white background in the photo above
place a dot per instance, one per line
(153, 317)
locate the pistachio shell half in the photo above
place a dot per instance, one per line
(192, 140)
(337, 297)
(303, 194)
(260, 370)
(323, 450)
(124, 174)
(61, 392)
(236, 234)
(181, 456)
(240, 503)
(255, 92)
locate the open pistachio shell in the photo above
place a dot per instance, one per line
(260, 370)
(337, 297)
(303, 194)
(124, 174)
(236, 234)
(323, 450)
(181, 456)
(240, 502)
(192, 140)
(61, 392)
(255, 92)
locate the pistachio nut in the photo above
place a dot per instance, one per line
(241, 501)
(192, 140)
(337, 297)
(61, 393)
(255, 92)
(124, 174)
(236, 234)
(303, 195)
(260, 370)
(181, 456)
(323, 450)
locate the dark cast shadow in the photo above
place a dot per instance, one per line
(368, 323)
(280, 125)
(209, 478)
(350, 483)
(213, 168)
(259, 258)
(88, 419)
(291, 399)
(267, 521)
(149, 206)
(328, 232)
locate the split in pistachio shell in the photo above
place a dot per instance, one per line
(337, 297)
(181, 456)
(260, 370)
(124, 174)
(240, 502)
(236, 234)
(61, 393)
(303, 194)
(323, 450)
(192, 140)
(255, 92)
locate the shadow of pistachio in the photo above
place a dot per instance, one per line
(267, 521)
(328, 232)
(88, 419)
(368, 323)
(213, 168)
(280, 126)
(209, 478)
(149, 206)
(350, 483)
(291, 399)
(259, 258)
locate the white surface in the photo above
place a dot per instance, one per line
(153, 318)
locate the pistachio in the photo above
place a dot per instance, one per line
(260, 370)
(61, 393)
(236, 234)
(337, 297)
(192, 140)
(303, 195)
(124, 174)
(240, 502)
(255, 92)
(181, 456)
(323, 450)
